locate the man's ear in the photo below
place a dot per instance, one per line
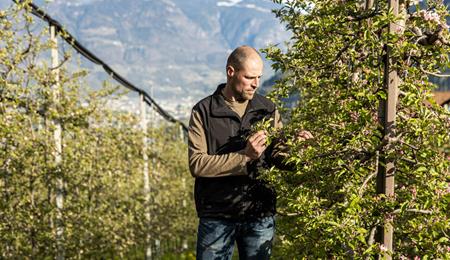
(230, 71)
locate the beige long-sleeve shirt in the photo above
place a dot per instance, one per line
(201, 164)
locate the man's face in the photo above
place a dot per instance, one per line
(245, 81)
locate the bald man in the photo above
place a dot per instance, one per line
(233, 205)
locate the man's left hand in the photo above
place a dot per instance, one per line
(303, 135)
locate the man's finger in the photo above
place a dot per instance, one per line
(305, 135)
(259, 140)
(256, 135)
(308, 135)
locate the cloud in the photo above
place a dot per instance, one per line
(229, 3)
(236, 3)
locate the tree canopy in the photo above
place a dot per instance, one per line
(335, 62)
(101, 168)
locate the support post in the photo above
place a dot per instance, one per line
(369, 4)
(387, 113)
(57, 152)
(143, 114)
(157, 241)
(184, 243)
(180, 128)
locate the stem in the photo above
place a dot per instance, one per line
(414, 211)
(434, 74)
(364, 185)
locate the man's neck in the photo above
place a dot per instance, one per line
(228, 94)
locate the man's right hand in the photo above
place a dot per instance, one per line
(256, 145)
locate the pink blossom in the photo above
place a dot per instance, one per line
(432, 17)
(383, 248)
(414, 192)
(354, 116)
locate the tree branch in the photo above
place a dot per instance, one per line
(408, 160)
(414, 211)
(434, 74)
(372, 235)
(364, 185)
(66, 58)
(288, 214)
(341, 51)
(371, 239)
(409, 145)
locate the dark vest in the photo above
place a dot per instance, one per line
(235, 197)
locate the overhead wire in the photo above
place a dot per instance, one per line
(71, 40)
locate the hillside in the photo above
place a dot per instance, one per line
(177, 47)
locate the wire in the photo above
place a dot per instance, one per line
(71, 40)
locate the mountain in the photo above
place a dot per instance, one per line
(176, 47)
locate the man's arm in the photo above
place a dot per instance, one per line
(201, 164)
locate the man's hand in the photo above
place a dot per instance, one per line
(303, 135)
(256, 145)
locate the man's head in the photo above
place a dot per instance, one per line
(244, 70)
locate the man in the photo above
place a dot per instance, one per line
(232, 203)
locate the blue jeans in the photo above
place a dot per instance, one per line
(216, 238)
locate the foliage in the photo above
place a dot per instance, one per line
(335, 61)
(105, 206)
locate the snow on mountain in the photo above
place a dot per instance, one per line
(229, 3)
